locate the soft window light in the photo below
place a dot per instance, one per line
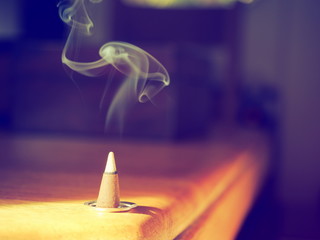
(184, 3)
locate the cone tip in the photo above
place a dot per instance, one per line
(111, 164)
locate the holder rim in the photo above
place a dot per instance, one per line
(124, 206)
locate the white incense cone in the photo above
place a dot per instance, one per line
(109, 188)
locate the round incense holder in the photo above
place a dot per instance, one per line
(123, 206)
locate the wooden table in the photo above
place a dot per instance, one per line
(190, 190)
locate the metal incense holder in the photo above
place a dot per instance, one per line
(123, 206)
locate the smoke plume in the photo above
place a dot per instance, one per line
(143, 76)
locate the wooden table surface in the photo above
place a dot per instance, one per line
(188, 190)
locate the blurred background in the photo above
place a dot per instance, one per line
(249, 64)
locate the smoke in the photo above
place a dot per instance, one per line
(143, 75)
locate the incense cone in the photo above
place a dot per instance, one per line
(109, 189)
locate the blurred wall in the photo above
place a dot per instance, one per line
(301, 116)
(282, 49)
(10, 19)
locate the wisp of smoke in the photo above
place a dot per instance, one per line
(144, 76)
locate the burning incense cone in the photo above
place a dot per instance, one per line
(109, 188)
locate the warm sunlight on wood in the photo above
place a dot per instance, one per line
(175, 199)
